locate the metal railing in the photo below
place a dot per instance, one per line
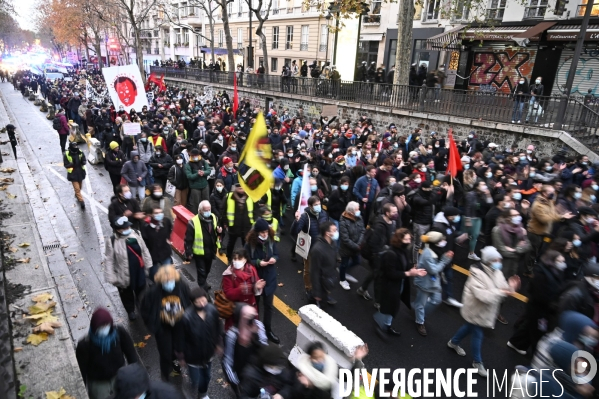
(580, 120)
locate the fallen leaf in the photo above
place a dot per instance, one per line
(186, 262)
(37, 266)
(47, 327)
(10, 196)
(18, 349)
(4, 187)
(299, 271)
(36, 339)
(140, 344)
(41, 307)
(62, 394)
(7, 170)
(24, 244)
(280, 284)
(147, 337)
(7, 180)
(42, 317)
(24, 260)
(13, 249)
(46, 296)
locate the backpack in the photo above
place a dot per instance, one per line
(56, 124)
(365, 249)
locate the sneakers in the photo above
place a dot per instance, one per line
(344, 285)
(421, 329)
(458, 349)
(513, 121)
(482, 371)
(350, 278)
(453, 302)
(82, 205)
(473, 257)
(331, 300)
(520, 351)
(519, 121)
(363, 293)
(501, 319)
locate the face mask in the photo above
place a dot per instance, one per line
(357, 213)
(159, 217)
(335, 236)
(516, 219)
(263, 238)
(488, 175)
(457, 219)
(179, 161)
(143, 139)
(313, 188)
(588, 342)
(234, 149)
(507, 205)
(593, 198)
(496, 265)
(532, 174)
(238, 264)
(204, 150)
(577, 195)
(303, 154)
(521, 82)
(344, 187)
(442, 244)
(538, 81)
(590, 220)
(548, 168)
(418, 181)
(429, 151)
(168, 286)
(157, 194)
(595, 187)
(560, 265)
(523, 158)
(318, 366)
(317, 208)
(470, 136)
(127, 195)
(467, 166)
(517, 196)
(273, 370)
(290, 154)
(286, 167)
(103, 331)
(219, 188)
(423, 169)
(394, 216)
(220, 137)
(126, 232)
(330, 156)
(577, 243)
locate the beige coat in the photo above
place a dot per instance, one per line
(542, 216)
(482, 295)
(116, 264)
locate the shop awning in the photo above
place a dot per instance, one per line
(500, 33)
(448, 40)
(371, 37)
(567, 33)
(523, 38)
(219, 51)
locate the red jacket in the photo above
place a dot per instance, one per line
(65, 129)
(234, 287)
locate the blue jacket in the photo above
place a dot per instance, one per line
(279, 173)
(258, 252)
(433, 265)
(360, 189)
(296, 187)
(309, 219)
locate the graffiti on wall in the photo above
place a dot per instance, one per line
(584, 79)
(501, 70)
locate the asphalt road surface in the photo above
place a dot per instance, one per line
(84, 232)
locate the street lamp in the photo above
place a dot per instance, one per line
(334, 8)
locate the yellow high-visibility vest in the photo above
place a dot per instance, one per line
(198, 241)
(70, 159)
(231, 209)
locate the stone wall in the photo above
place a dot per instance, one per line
(547, 141)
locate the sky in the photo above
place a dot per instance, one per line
(26, 13)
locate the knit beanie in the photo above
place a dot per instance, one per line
(100, 317)
(261, 225)
(489, 253)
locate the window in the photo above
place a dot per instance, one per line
(289, 38)
(240, 38)
(183, 10)
(275, 7)
(274, 64)
(230, 9)
(239, 7)
(496, 10)
(582, 9)
(462, 10)
(324, 38)
(178, 36)
(186, 36)
(221, 37)
(287, 62)
(374, 17)
(275, 37)
(536, 9)
(432, 10)
(305, 37)
(420, 55)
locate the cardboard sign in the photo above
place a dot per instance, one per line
(329, 110)
(131, 129)
(150, 96)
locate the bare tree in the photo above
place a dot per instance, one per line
(403, 53)
(259, 30)
(228, 38)
(210, 10)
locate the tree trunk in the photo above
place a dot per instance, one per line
(228, 37)
(212, 40)
(404, 42)
(85, 46)
(98, 51)
(139, 54)
(262, 36)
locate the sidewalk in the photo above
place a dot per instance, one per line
(51, 365)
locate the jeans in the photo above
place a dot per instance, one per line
(474, 232)
(140, 190)
(476, 342)
(422, 303)
(200, 377)
(518, 107)
(419, 230)
(534, 111)
(383, 320)
(447, 282)
(345, 262)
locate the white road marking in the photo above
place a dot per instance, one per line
(99, 231)
(93, 201)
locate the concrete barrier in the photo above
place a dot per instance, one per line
(182, 217)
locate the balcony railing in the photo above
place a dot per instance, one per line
(579, 120)
(240, 46)
(371, 19)
(535, 12)
(156, 51)
(303, 46)
(322, 48)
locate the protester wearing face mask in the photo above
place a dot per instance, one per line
(163, 307)
(269, 376)
(113, 162)
(122, 204)
(157, 199)
(134, 173)
(160, 165)
(218, 198)
(228, 173)
(428, 287)
(178, 178)
(102, 352)
(126, 264)
(483, 294)
(231, 152)
(541, 311)
(318, 371)
(197, 172)
(202, 339)
(156, 234)
(263, 252)
(241, 282)
(478, 203)
(519, 95)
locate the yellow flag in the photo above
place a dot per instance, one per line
(255, 175)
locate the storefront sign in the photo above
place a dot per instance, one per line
(571, 36)
(496, 36)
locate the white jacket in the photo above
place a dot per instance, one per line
(483, 295)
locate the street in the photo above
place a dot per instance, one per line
(82, 236)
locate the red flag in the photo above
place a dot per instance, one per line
(235, 95)
(455, 164)
(158, 82)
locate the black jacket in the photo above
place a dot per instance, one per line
(394, 264)
(114, 161)
(96, 366)
(165, 160)
(208, 233)
(117, 208)
(133, 380)
(351, 232)
(337, 203)
(156, 240)
(323, 261)
(255, 377)
(152, 306)
(200, 336)
(422, 206)
(77, 164)
(176, 176)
